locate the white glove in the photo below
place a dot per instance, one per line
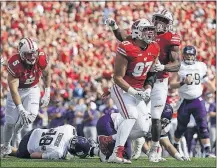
(158, 67)
(140, 95)
(24, 120)
(178, 156)
(111, 23)
(46, 98)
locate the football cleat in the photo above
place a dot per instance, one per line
(5, 151)
(102, 157)
(117, 156)
(210, 155)
(153, 154)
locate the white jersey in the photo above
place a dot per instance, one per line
(54, 141)
(198, 71)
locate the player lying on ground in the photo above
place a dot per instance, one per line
(54, 143)
(191, 75)
(169, 61)
(108, 124)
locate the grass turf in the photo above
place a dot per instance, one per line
(94, 162)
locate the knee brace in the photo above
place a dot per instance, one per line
(156, 130)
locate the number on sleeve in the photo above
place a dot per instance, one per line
(15, 62)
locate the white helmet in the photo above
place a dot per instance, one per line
(143, 29)
(28, 50)
(163, 20)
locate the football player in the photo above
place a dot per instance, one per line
(169, 61)
(24, 71)
(54, 143)
(192, 75)
(132, 63)
(108, 124)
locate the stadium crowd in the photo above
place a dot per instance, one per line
(81, 50)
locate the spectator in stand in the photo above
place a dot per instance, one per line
(91, 117)
(110, 107)
(80, 109)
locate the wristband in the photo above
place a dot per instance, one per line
(131, 91)
(20, 107)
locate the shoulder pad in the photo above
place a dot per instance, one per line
(122, 48)
(175, 39)
(14, 65)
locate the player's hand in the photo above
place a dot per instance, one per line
(46, 98)
(188, 80)
(158, 67)
(111, 23)
(186, 158)
(23, 120)
(139, 94)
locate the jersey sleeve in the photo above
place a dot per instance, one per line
(203, 72)
(156, 50)
(12, 67)
(175, 40)
(52, 154)
(121, 49)
(42, 60)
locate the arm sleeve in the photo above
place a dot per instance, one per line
(151, 79)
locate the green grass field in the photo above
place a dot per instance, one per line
(94, 162)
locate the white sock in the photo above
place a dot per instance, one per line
(8, 133)
(205, 145)
(155, 143)
(124, 131)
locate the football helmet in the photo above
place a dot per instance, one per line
(189, 54)
(163, 20)
(79, 146)
(144, 30)
(166, 115)
(28, 50)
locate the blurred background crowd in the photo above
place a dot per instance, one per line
(81, 50)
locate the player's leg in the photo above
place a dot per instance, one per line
(22, 151)
(127, 106)
(200, 116)
(11, 117)
(158, 101)
(105, 130)
(138, 144)
(183, 119)
(30, 101)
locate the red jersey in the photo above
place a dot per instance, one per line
(165, 41)
(139, 61)
(28, 75)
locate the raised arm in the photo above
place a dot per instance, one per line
(121, 35)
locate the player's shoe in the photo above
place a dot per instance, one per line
(117, 156)
(5, 150)
(153, 154)
(102, 157)
(136, 155)
(210, 155)
(104, 142)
